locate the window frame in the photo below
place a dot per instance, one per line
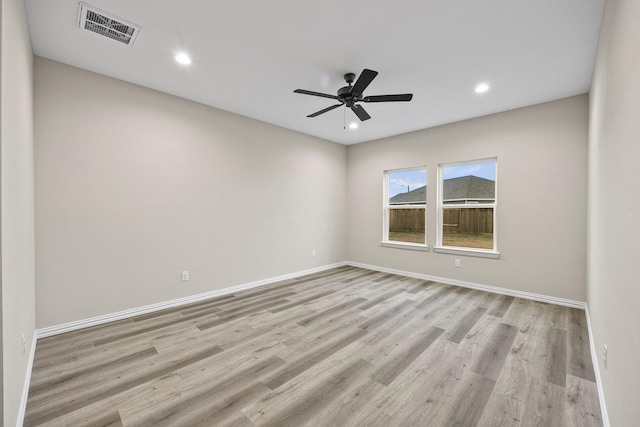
(386, 207)
(463, 250)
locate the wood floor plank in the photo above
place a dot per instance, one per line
(229, 363)
(56, 364)
(441, 292)
(69, 340)
(518, 370)
(217, 412)
(302, 301)
(390, 333)
(45, 384)
(363, 274)
(374, 418)
(385, 277)
(470, 403)
(311, 358)
(531, 317)
(578, 361)
(491, 360)
(504, 304)
(249, 304)
(316, 399)
(545, 405)
(429, 402)
(347, 347)
(234, 315)
(238, 420)
(502, 411)
(73, 401)
(147, 327)
(420, 287)
(556, 368)
(398, 361)
(204, 384)
(302, 339)
(387, 315)
(380, 299)
(331, 311)
(465, 324)
(212, 403)
(352, 406)
(582, 405)
(94, 414)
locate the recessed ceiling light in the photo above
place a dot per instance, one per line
(482, 87)
(353, 125)
(183, 58)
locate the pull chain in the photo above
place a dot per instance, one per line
(344, 118)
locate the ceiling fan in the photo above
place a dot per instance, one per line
(351, 95)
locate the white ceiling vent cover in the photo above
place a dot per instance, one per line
(110, 26)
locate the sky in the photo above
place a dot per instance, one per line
(398, 181)
(483, 170)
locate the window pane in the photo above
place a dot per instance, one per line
(407, 192)
(407, 225)
(467, 227)
(463, 187)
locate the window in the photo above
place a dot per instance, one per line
(405, 201)
(467, 206)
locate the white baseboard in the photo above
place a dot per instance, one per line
(27, 382)
(487, 288)
(125, 314)
(596, 370)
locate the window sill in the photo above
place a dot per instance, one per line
(467, 252)
(409, 246)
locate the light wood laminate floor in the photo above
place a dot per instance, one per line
(345, 347)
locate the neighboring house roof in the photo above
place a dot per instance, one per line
(464, 188)
(469, 187)
(419, 195)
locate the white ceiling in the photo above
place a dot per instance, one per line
(249, 56)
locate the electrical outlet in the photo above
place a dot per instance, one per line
(604, 356)
(24, 345)
(313, 254)
(185, 276)
(456, 263)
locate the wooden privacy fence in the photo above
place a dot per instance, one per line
(456, 220)
(406, 219)
(468, 220)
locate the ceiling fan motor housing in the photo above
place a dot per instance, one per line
(344, 92)
(349, 78)
(345, 95)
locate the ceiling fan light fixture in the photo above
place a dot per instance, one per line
(482, 88)
(183, 58)
(353, 125)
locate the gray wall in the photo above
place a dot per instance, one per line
(613, 289)
(133, 186)
(16, 204)
(542, 197)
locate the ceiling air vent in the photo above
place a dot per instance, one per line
(110, 26)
